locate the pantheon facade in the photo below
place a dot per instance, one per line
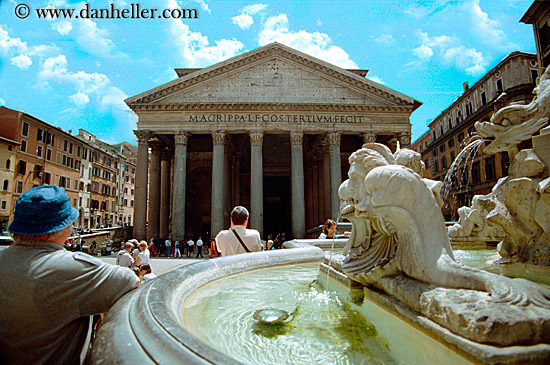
(270, 129)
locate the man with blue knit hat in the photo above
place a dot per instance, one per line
(48, 295)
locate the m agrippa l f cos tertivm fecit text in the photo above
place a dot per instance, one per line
(133, 11)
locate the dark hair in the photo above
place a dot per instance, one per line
(239, 215)
(146, 267)
(328, 223)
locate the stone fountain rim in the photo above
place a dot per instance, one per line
(145, 325)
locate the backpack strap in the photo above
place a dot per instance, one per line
(240, 240)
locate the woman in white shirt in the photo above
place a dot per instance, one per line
(143, 255)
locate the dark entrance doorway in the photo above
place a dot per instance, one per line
(276, 205)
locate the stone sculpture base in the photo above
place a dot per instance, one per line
(475, 352)
(464, 320)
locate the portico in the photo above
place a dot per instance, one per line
(270, 129)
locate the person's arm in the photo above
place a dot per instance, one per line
(138, 281)
(138, 260)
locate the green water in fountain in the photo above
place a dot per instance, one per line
(334, 327)
(482, 258)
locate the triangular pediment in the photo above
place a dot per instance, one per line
(272, 74)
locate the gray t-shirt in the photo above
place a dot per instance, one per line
(47, 296)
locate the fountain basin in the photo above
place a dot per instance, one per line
(147, 325)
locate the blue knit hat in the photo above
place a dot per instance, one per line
(41, 210)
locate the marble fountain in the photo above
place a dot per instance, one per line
(396, 293)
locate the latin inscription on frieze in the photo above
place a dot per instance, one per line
(275, 118)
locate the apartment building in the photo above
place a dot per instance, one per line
(93, 173)
(421, 145)
(511, 81)
(127, 177)
(104, 164)
(46, 155)
(8, 148)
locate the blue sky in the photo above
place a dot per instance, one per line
(76, 73)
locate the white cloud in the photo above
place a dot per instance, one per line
(254, 8)
(466, 59)
(224, 49)
(485, 27)
(79, 99)
(114, 97)
(204, 5)
(417, 11)
(423, 52)
(385, 39)
(93, 39)
(376, 79)
(451, 53)
(316, 44)
(2, 102)
(243, 21)
(11, 46)
(43, 50)
(55, 70)
(195, 49)
(22, 61)
(62, 27)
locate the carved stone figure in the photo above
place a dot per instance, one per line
(473, 226)
(519, 204)
(399, 244)
(515, 123)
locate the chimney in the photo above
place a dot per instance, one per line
(465, 86)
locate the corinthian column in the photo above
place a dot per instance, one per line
(154, 190)
(368, 137)
(216, 212)
(256, 182)
(404, 140)
(297, 183)
(164, 221)
(335, 173)
(140, 206)
(178, 198)
(227, 183)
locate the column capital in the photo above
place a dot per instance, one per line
(404, 139)
(324, 146)
(256, 138)
(181, 137)
(143, 135)
(296, 138)
(334, 138)
(368, 137)
(218, 137)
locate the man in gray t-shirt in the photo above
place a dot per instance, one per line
(48, 295)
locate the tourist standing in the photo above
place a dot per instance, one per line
(177, 252)
(167, 245)
(190, 246)
(49, 295)
(238, 239)
(213, 250)
(199, 248)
